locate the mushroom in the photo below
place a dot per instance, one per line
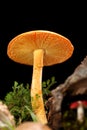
(39, 48)
(79, 105)
(32, 126)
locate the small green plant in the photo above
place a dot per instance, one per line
(47, 87)
(19, 100)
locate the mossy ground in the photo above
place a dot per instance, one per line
(70, 122)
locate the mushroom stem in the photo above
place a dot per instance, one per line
(36, 87)
(80, 112)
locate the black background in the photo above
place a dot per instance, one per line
(67, 19)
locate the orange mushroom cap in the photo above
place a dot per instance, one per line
(57, 48)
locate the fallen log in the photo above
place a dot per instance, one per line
(74, 88)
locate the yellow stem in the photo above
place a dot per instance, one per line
(36, 87)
